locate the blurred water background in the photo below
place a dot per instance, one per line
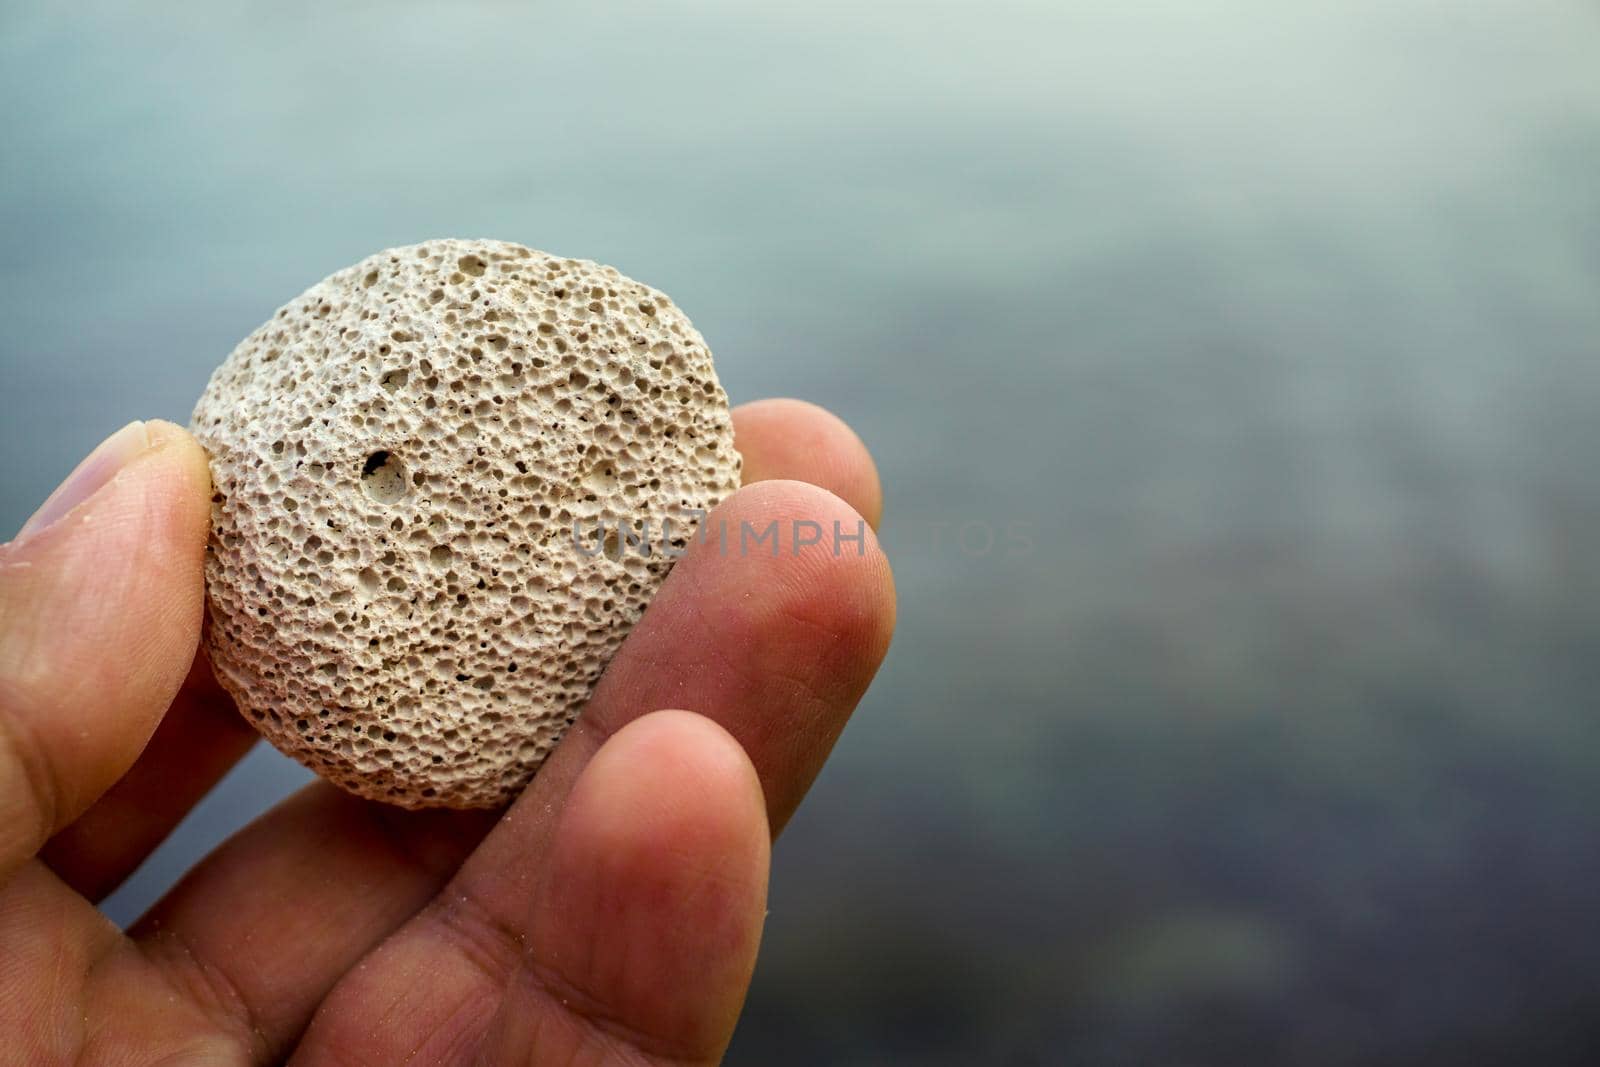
(1262, 339)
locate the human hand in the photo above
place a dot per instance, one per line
(611, 914)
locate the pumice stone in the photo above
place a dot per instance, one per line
(447, 481)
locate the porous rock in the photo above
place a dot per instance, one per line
(397, 596)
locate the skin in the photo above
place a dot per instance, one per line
(611, 914)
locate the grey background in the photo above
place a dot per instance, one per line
(1264, 337)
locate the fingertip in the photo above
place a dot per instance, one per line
(772, 624)
(785, 438)
(651, 909)
(181, 447)
(830, 571)
(674, 780)
(180, 472)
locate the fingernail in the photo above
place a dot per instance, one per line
(96, 470)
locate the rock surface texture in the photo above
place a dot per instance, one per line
(397, 597)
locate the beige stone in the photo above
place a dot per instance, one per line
(396, 595)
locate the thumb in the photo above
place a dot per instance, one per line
(101, 598)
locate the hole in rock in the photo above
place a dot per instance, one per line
(383, 477)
